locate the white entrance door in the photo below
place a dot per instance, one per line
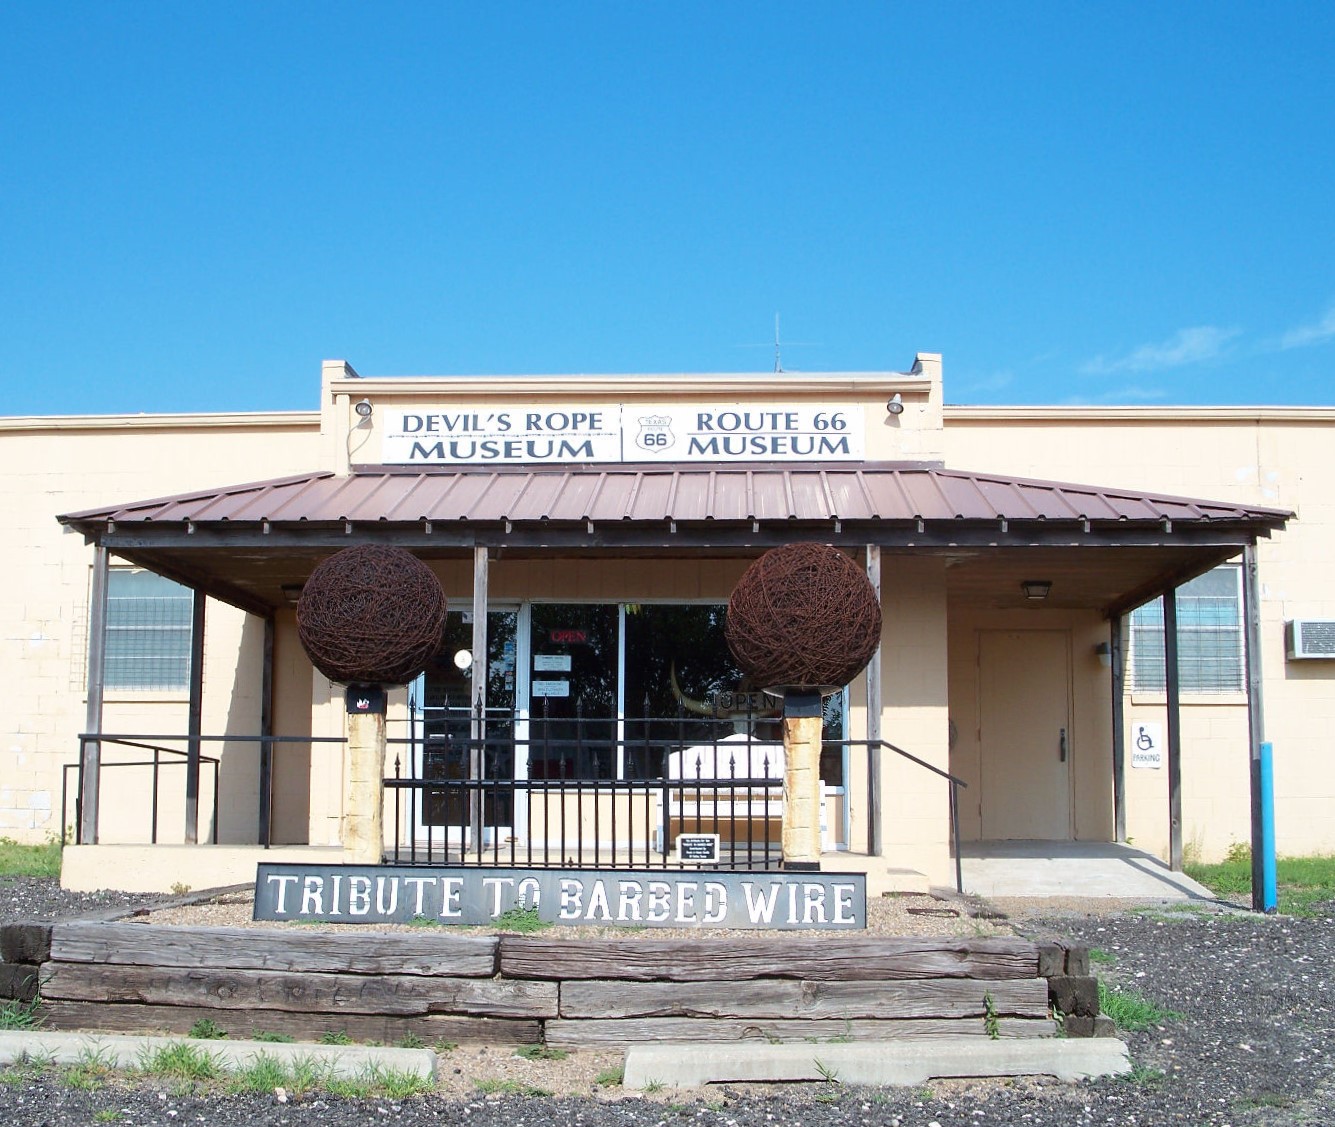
(1024, 711)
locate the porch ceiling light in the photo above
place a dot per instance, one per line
(1036, 589)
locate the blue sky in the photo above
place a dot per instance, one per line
(1111, 203)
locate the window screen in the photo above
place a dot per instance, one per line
(1209, 637)
(148, 632)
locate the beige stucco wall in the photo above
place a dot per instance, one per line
(49, 467)
(1276, 457)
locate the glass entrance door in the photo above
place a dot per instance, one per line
(443, 723)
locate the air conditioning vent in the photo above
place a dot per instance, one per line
(1310, 638)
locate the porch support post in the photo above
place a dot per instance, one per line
(363, 820)
(1118, 727)
(90, 754)
(196, 716)
(801, 780)
(1172, 688)
(873, 676)
(1251, 641)
(266, 730)
(481, 566)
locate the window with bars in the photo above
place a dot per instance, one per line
(1209, 637)
(148, 632)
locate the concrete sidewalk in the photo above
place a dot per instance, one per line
(1089, 869)
(905, 1063)
(120, 1051)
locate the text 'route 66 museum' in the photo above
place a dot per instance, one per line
(1091, 619)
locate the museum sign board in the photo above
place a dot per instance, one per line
(602, 433)
(363, 894)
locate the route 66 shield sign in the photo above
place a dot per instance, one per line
(655, 434)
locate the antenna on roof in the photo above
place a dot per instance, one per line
(778, 345)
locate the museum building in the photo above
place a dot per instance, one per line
(1059, 661)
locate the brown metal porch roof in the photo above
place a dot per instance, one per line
(1108, 547)
(877, 493)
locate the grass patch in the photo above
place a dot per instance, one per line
(540, 1052)
(263, 1074)
(180, 1060)
(20, 1015)
(206, 1029)
(522, 920)
(268, 1035)
(29, 860)
(335, 1037)
(1131, 1011)
(1302, 882)
(611, 1077)
(1099, 955)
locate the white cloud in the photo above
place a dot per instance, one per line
(1186, 346)
(1318, 333)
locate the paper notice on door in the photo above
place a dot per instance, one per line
(546, 688)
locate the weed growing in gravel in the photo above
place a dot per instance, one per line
(398, 1084)
(610, 1077)
(335, 1037)
(1099, 955)
(1131, 1011)
(106, 1115)
(20, 1015)
(91, 1069)
(653, 1087)
(347, 1087)
(206, 1029)
(180, 1060)
(410, 1041)
(540, 1052)
(444, 1047)
(263, 1074)
(828, 1073)
(1144, 1076)
(267, 1035)
(522, 920)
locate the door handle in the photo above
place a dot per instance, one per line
(1061, 744)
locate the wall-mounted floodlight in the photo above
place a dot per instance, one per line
(896, 404)
(1036, 589)
(1103, 651)
(363, 408)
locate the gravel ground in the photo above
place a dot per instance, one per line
(1253, 1047)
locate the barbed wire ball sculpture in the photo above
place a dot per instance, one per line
(371, 615)
(803, 616)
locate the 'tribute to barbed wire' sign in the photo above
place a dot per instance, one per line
(364, 894)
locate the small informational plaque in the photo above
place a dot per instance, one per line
(543, 687)
(551, 663)
(698, 849)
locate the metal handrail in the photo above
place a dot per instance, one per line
(955, 783)
(136, 742)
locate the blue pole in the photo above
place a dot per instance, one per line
(1269, 901)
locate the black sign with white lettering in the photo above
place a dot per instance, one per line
(698, 847)
(364, 894)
